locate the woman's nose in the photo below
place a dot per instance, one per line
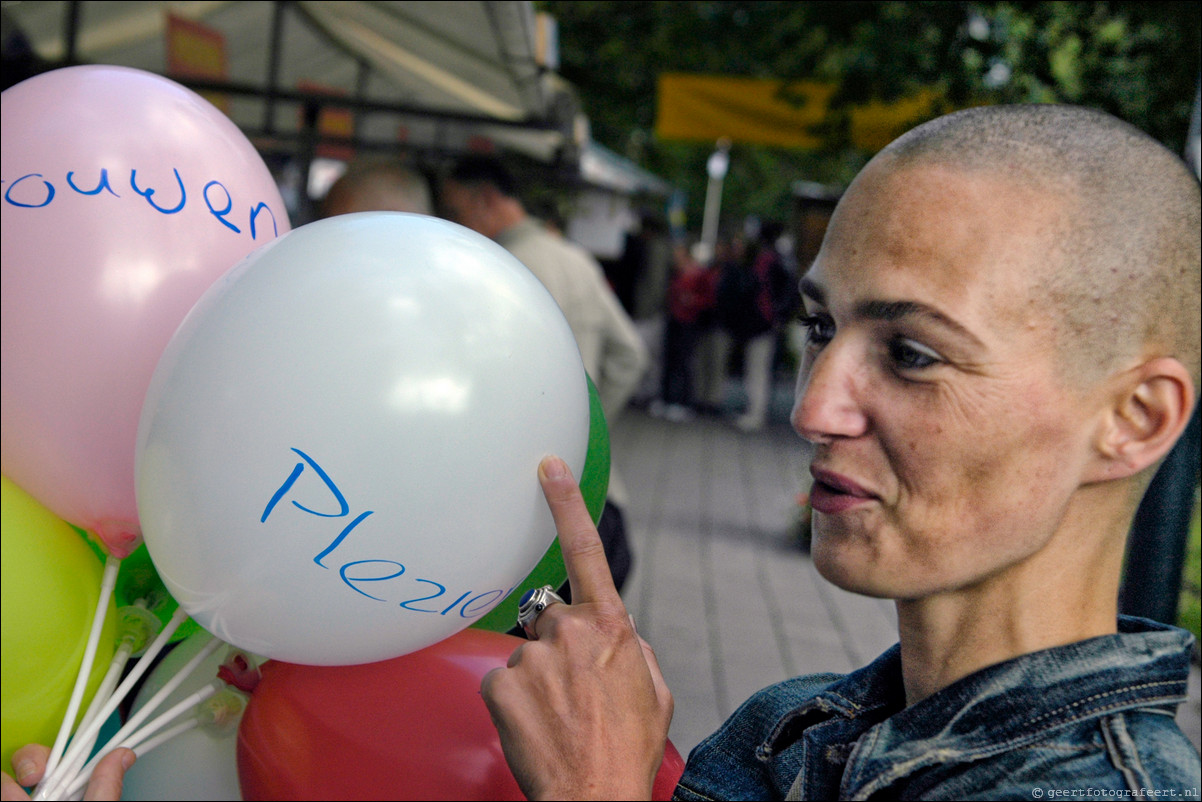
(829, 395)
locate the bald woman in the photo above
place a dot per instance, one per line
(1003, 345)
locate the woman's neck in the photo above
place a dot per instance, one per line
(1064, 593)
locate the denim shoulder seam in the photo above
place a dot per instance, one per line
(1123, 690)
(1032, 737)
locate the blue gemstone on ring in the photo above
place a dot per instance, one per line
(526, 597)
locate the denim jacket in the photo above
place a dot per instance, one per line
(1094, 717)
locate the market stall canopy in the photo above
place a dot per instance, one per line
(443, 76)
(605, 169)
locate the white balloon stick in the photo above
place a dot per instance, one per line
(135, 738)
(75, 756)
(157, 699)
(166, 735)
(105, 691)
(185, 706)
(108, 581)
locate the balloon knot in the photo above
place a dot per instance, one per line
(137, 625)
(121, 538)
(241, 671)
(220, 713)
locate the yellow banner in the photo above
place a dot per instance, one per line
(770, 112)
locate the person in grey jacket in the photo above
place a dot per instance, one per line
(482, 194)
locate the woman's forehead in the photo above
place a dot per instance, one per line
(966, 242)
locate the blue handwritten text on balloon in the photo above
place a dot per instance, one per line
(36, 191)
(355, 574)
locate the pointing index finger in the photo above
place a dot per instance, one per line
(583, 554)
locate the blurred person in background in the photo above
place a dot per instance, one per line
(755, 302)
(482, 194)
(714, 341)
(648, 258)
(378, 185)
(690, 295)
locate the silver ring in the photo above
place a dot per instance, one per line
(533, 602)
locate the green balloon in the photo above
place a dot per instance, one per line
(594, 477)
(138, 579)
(594, 484)
(49, 588)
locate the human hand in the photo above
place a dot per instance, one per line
(29, 764)
(583, 711)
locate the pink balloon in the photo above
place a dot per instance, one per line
(124, 197)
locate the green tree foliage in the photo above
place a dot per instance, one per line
(1137, 60)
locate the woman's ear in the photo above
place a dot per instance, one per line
(1150, 406)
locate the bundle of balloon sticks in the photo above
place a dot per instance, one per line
(216, 705)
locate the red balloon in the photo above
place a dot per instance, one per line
(414, 727)
(669, 773)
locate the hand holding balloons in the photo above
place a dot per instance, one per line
(33, 758)
(124, 197)
(338, 452)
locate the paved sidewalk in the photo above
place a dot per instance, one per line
(719, 588)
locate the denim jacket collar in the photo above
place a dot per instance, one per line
(1143, 665)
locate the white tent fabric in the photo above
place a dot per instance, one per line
(428, 74)
(433, 76)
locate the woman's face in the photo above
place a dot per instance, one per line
(947, 442)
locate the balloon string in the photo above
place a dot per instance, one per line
(108, 582)
(135, 738)
(75, 756)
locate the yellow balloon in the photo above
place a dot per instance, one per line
(49, 585)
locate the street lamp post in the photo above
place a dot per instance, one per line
(716, 167)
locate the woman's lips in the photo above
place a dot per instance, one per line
(834, 493)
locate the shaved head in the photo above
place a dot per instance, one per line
(378, 186)
(1122, 268)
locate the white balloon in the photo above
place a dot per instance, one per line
(337, 457)
(201, 763)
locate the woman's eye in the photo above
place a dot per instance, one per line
(820, 329)
(909, 355)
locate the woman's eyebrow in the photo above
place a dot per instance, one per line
(892, 310)
(899, 310)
